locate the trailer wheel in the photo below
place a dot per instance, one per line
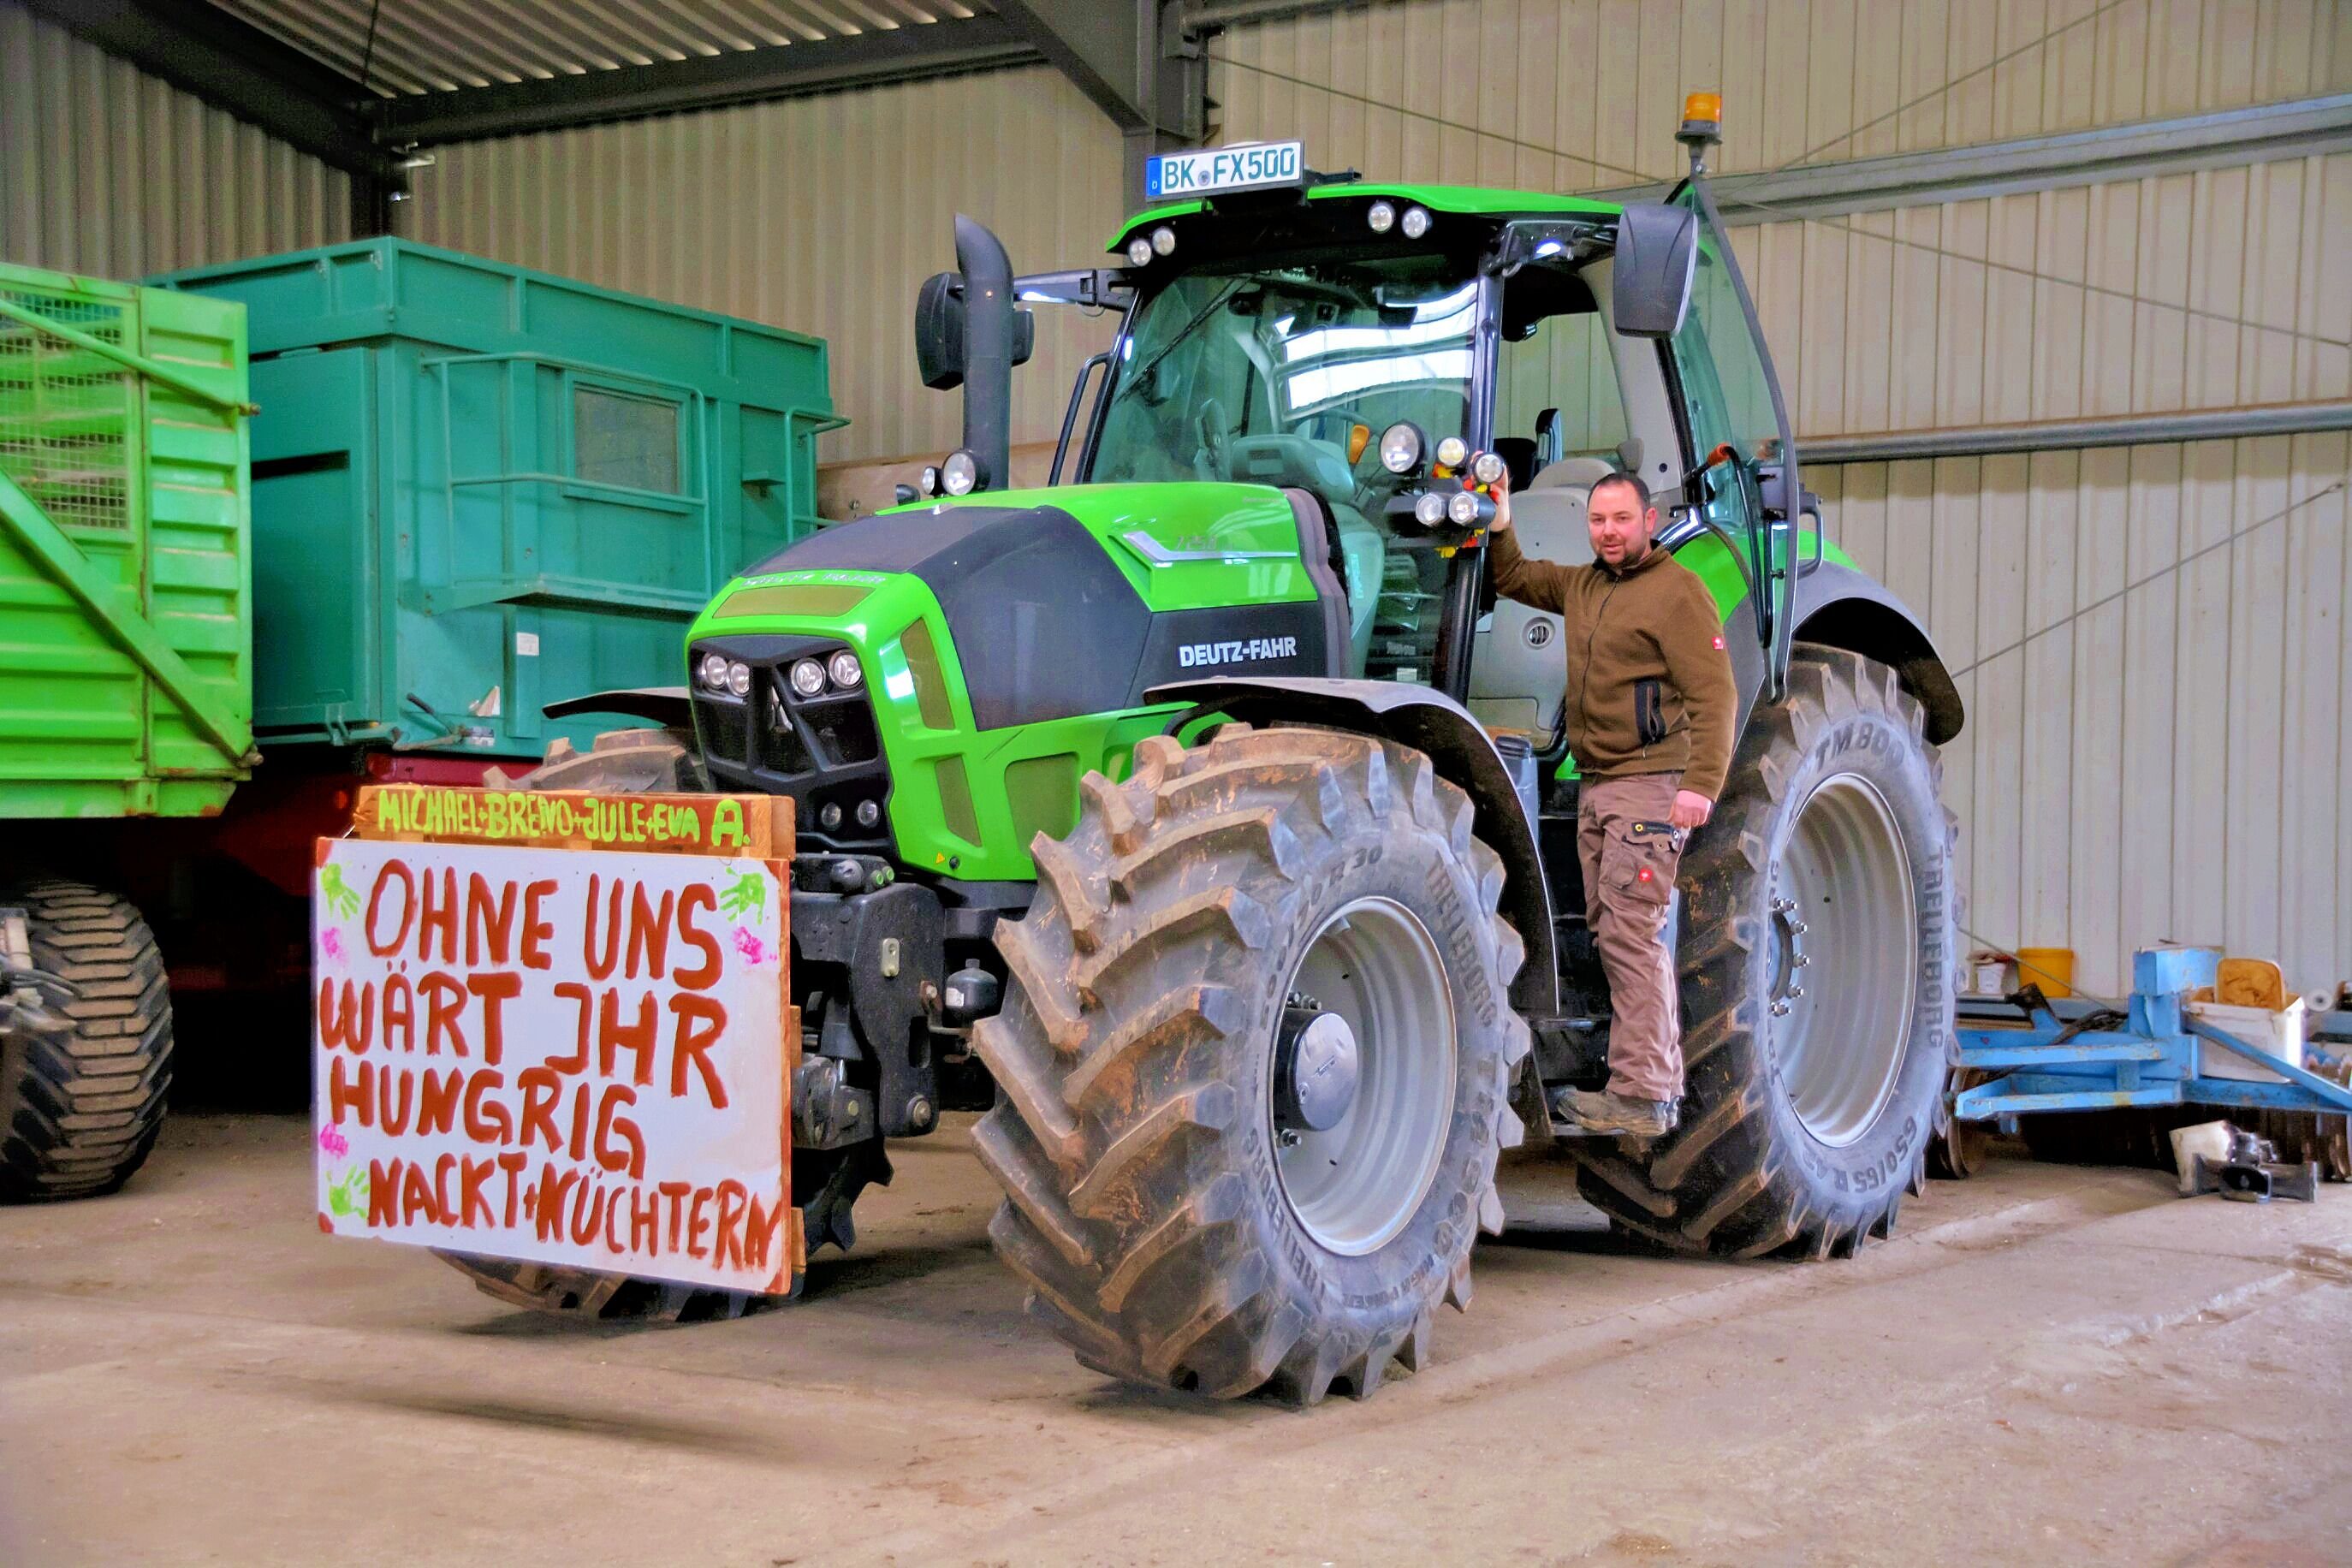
(85, 1067)
(1818, 953)
(826, 1182)
(1252, 1066)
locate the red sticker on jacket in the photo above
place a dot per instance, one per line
(1718, 642)
(1645, 873)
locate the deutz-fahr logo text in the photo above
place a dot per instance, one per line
(1196, 655)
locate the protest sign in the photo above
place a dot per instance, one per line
(569, 1058)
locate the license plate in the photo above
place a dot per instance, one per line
(1262, 166)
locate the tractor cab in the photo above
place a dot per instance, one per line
(1359, 343)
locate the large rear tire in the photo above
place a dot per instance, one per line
(1818, 961)
(84, 1067)
(1174, 1226)
(826, 1182)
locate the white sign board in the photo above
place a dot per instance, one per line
(560, 1055)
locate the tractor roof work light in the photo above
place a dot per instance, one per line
(1416, 222)
(1381, 217)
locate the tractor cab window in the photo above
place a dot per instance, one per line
(1556, 394)
(1286, 375)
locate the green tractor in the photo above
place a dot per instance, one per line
(1204, 821)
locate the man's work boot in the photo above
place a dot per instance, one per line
(1606, 1115)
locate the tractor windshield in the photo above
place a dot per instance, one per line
(1287, 376)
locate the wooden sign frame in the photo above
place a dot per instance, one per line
(743, 827)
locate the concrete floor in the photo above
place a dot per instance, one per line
(2050, 1364)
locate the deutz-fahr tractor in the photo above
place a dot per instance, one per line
(1204, 821)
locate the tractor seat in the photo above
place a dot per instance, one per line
(1518, 670)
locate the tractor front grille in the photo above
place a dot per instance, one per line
(823, 751)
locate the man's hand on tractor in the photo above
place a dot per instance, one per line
(1691, 809)
(1501, 492)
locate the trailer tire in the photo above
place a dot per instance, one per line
(827, 1183)
(82, 1090)
(1169, 1227)
(1803, 1129)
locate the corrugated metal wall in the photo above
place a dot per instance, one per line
(105, 170)
(2158, 667)
(1583, 94)
(2152, 644)
(819, 213)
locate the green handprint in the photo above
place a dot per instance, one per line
(746, 894)
(349, 1194)
(340, 896)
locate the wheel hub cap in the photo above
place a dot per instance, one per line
(1315, 1069)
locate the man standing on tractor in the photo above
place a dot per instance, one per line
(1650, 710)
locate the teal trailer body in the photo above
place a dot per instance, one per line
(477, 489)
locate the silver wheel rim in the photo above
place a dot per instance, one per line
(1846, 959)
(1355, 1185)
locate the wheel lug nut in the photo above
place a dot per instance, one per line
(1797, 927)
(1287, 1136)
(1779, 1009)
(1799, 962)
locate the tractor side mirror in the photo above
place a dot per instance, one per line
(1657, 259)
(939, 331)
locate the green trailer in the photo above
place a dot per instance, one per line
(465, 489)
(126, 682)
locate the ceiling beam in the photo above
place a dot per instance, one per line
(237, 67)
(1098, 44)
(743, 76)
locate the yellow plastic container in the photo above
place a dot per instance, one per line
(2051, 968)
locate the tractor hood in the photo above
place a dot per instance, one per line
(1005, 643)
(1179, 546)
(1065, 601)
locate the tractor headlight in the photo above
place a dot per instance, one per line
(1163, 240)
(869, 813)
(1462, 507)
(960, 475)
(808, 678)
(1401, 447)
(930, 483)
(1487, 467)
(1416, 222)
(1138, 251)
(843, 668)
(1382, 216)
(738, 678)
(1429, 510)
(712, 671)
(1453, 452)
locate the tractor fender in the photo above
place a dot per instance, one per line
(668, 706)
(1838, 606)
(1455, 743)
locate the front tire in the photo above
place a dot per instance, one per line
(1818, 961)
(1172, 1227)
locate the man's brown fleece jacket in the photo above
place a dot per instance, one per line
(1650, 688)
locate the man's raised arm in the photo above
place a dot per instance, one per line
(1539, 585)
